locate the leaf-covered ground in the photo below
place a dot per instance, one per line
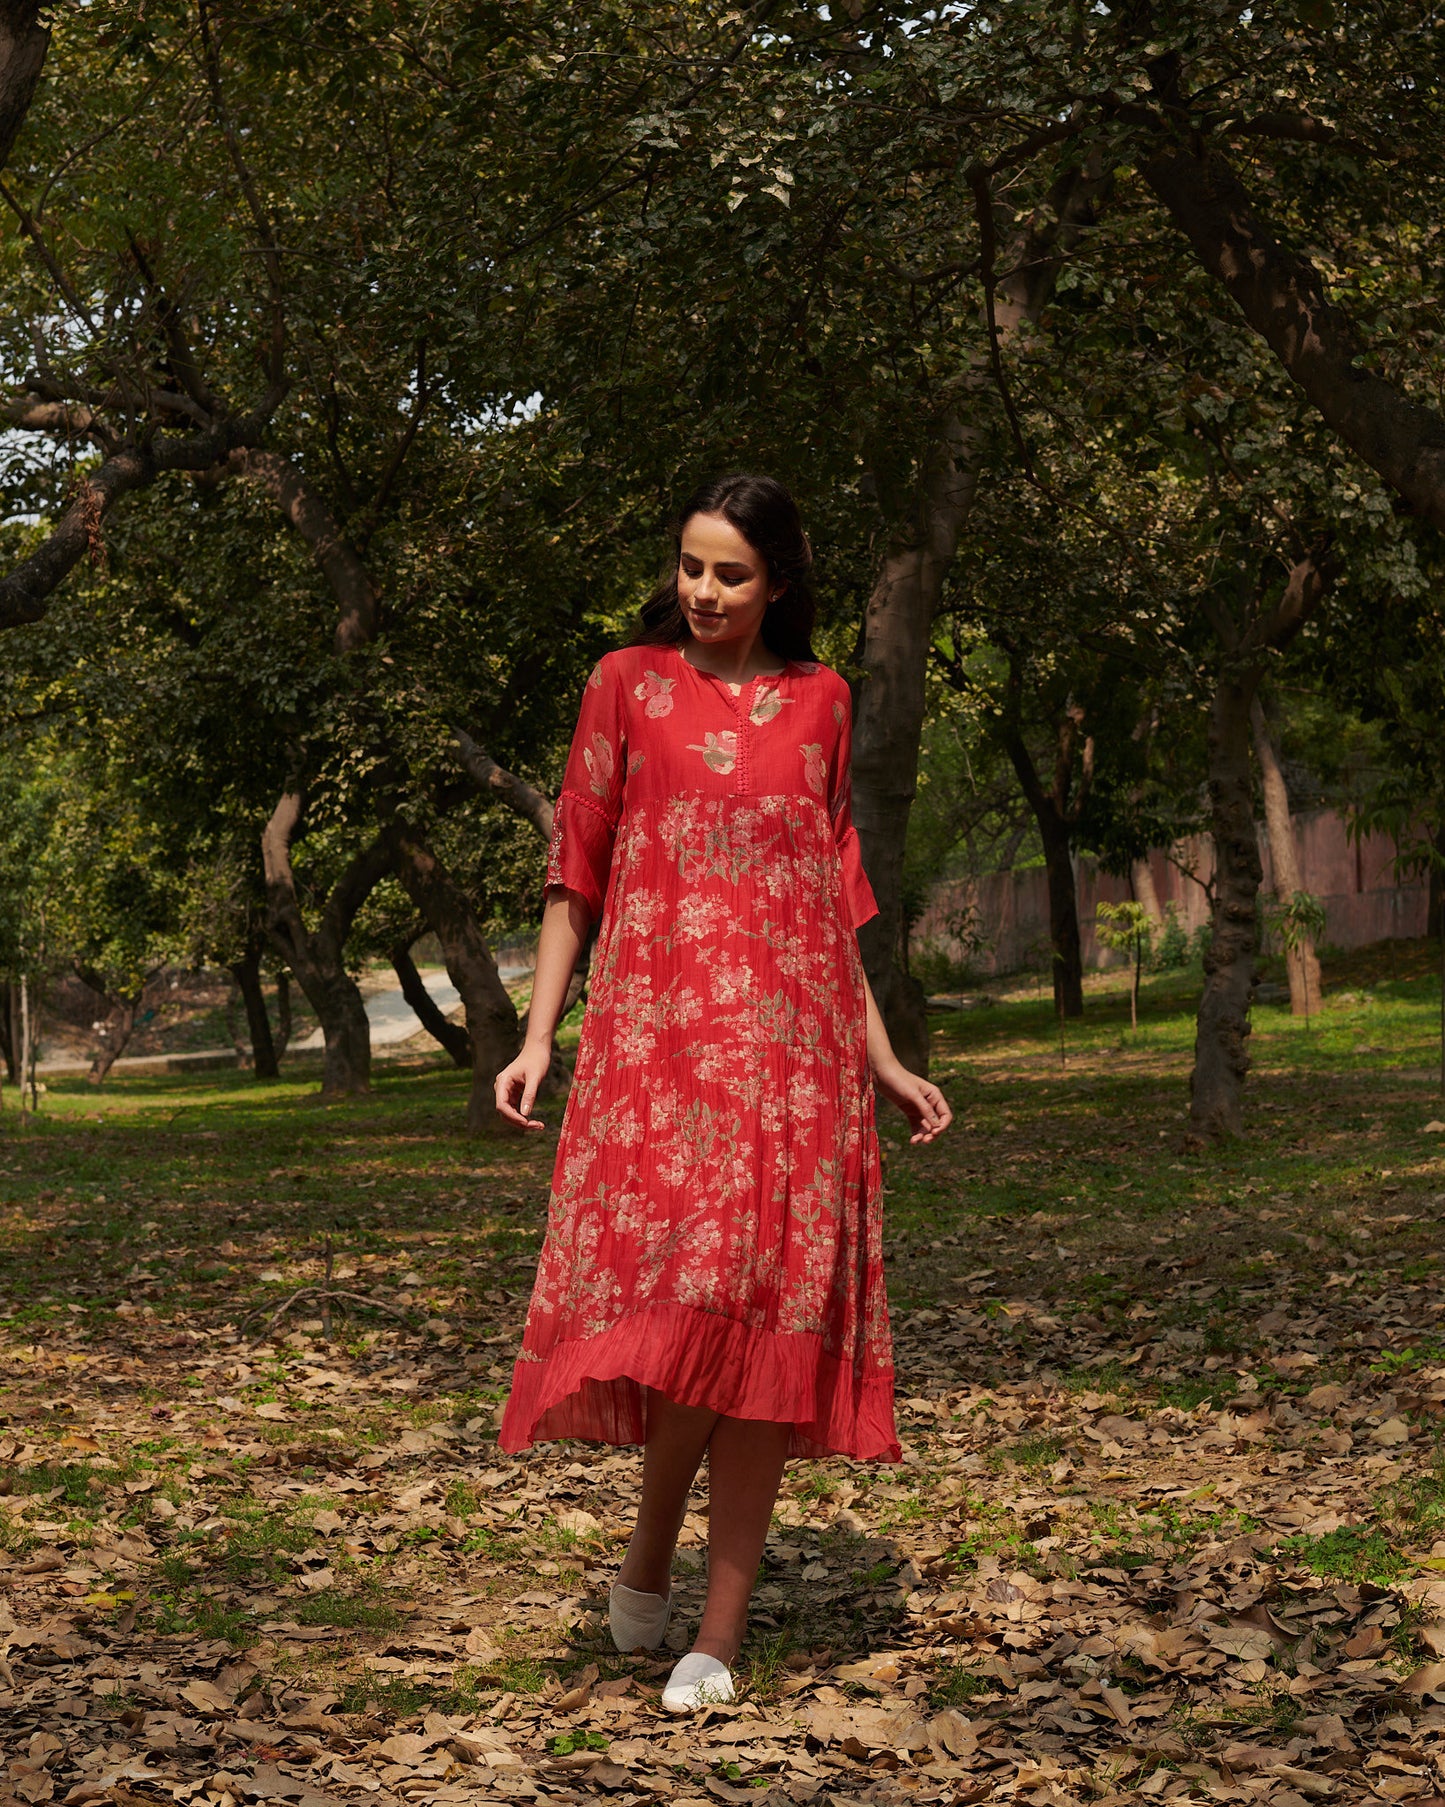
(1170, 1523)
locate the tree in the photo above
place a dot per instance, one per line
(1126, 927)
(1301, 961)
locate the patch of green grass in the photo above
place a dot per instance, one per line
(1192, 1390)
(1109, 1378)
(462, 1499)
(1109, 1517)
(16, 1539)
(1350, 1553)
(391, 1695)
(521, 1674)
(1418, 1505)
(1008, 1545)
(200, 1615)
(347, 1612)
(74, 1482)
(765, 1660)
(1120, 1557)
(1418, 1355)
(1039, 1450)
(1275, 1710)
(175, 1571)
(955, 1686)
(1182, 1529)
(255, 1546)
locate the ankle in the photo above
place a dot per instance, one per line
(723, 1650)
(645, 1579)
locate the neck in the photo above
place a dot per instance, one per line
(734, 661)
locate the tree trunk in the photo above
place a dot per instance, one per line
(888, 726)
(247, 973)
(1146, 892)
(23, 44)
(1302, 962)
(1435, 909)
(10, 1028)
(119, 1024)
(491, 1014)
(319, 959)
(1055, 816)
(1221, 1060)
(1064, 936)
(28, 1039)
(897, 626)
(450, 1035)
(283, 1015)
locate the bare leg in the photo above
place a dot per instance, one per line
(677, 1435)
(745, 1470)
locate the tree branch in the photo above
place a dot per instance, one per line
(270, 255)
(404, 438)
(503, 786)
(1282, 296)
(183, 363)
(359, 605)
(25, 591)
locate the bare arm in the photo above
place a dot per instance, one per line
(920, 1100)
(565, 922)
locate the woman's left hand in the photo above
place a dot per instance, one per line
(920, 1100)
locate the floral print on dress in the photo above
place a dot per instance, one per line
(601, 764)
(655, 695)
(719, 751)
(767, 705)
(715, 1227)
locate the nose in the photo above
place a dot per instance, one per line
(704, 587)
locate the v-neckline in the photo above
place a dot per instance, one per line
(747, 684)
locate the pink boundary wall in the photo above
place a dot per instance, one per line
(1355, 879)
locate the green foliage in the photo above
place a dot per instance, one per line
(1170, 949)
(347, 1611)
(1351, 1553)
(957, 1686)
(563, 1744)
(1299, 920)
(1127, 927)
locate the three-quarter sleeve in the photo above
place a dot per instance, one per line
(858, 898)
(584, 822)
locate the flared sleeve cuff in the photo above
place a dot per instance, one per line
(580, 855)
(858, 898)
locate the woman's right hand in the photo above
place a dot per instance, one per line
(519, 1083)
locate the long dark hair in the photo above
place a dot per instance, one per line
(767, 517)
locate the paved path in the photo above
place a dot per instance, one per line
(391, 1018)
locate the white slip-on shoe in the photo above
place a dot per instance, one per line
(637, 1619)
(697, 1681)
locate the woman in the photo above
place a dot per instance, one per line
(712, 1274)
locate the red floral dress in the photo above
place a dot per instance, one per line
(715, 1223)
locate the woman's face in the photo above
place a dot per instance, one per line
(722, 581)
